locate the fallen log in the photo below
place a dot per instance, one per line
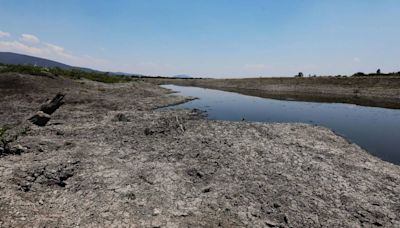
(51, 106)
(40, 119)
(43, 116)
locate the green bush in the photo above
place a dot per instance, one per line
(377, 74)
(73, 74)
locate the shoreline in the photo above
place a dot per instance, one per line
(174, 168)
(365, 91)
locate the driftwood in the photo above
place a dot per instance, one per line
(43, 116)
(51, 106)
(40, 119)
(180, 125)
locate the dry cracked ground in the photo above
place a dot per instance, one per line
(108, 158)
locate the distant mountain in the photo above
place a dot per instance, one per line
(127, 74)
(183, 76)
(20, 59)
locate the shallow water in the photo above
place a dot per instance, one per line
(375, 129)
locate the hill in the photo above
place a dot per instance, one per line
(182, 76)
(20, 59)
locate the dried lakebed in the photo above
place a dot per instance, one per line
(108, 158)
(375, 129)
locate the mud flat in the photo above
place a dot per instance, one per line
(108, 158)
(367, 91)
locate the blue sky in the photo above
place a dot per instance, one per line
(209, 38)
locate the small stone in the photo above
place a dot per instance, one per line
(120, 118)
(270, 223)
(156, 224)
(147, 131)
(156, 211)
(276, 205)
(18, 149)
(286, 219)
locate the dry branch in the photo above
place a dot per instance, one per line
(51, 106)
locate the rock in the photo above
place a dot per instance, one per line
(270, 223)
(206, 190)
(148, 131)
(195, 173)
(286, 219)
(156, 211)
(130, 196)
(120, 118)
(18, 149)
(276, 205)
(40, 119)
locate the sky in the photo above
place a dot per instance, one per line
(208, 38)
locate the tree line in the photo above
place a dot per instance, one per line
(378, 73)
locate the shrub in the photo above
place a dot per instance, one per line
(300, 75)
(72, 74)
(359, 74)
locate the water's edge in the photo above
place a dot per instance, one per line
(371, 128)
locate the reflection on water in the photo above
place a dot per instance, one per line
(375, 129)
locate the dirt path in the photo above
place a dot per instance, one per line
(107, 158)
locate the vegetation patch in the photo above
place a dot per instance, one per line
(76, 74)
(8, 136)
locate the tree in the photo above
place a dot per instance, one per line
(378, 71)
(300, 75)
(359, 74)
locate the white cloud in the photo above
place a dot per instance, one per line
(356, 59)
(16, 46)
(4, 34)
(29, 38)
(55, 47)
(58, 50)
(32, 45)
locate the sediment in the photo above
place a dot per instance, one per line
(108, 158)
(367, 91)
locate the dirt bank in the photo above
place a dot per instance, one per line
(367, 91)
(107, 158)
